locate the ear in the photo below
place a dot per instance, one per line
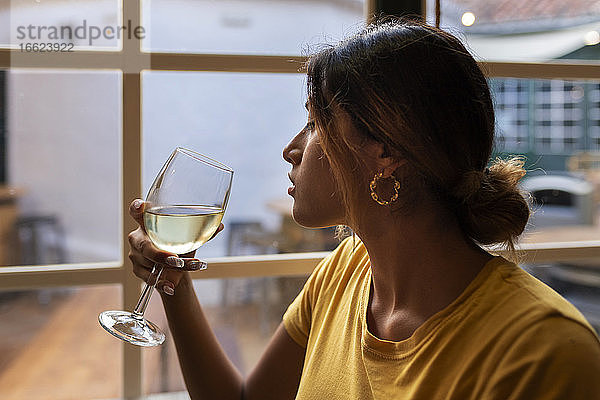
(382, 160)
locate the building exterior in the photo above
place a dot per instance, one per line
(548, 121)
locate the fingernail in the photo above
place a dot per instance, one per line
(169, 288)
(197, 265)
(175, 262)
(137, 204)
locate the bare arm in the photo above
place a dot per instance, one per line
(277, 374)
(207, 371)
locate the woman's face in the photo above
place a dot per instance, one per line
(317, 202)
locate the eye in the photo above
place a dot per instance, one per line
(310, 126)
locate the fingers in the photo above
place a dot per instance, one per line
(192, 264)
(169, 280)
(136, 210)
(140, 243)
(144, 254)
(141, 265)
(170, 277)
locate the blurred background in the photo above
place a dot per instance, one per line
(61, 155)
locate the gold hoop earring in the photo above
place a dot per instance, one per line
(375, 196)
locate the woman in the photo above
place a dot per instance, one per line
(397, 145)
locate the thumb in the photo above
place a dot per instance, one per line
(136, 210)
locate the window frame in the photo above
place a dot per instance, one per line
(132, 62)
(3, 128)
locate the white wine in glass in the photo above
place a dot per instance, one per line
(184, 208)
(181, 229)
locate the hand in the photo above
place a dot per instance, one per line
(143, 254)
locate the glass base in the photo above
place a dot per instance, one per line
(130, 328)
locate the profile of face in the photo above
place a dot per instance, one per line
(317, 202)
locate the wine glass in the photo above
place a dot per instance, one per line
(185, 205)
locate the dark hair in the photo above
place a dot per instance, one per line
(417, 90)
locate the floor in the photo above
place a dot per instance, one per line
(53, 348)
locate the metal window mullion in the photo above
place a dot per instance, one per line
(531, 109)
(31, 277)
(131, 174)
(226, 62)
(3, 128)
(23, 278)
(266, 63)
(131, 156)
(125, 60)
(550, 70)
(584, 106)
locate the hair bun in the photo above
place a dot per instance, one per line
(468, 186)
(494, 210)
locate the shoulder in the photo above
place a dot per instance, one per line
(523, 300)
(342, 262)
(543, 346)
(555, 358)
(556, 337)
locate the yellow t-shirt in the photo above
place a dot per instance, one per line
(507, 336)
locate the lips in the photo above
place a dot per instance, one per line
(292, 188)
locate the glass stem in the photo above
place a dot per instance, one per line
(142, 303)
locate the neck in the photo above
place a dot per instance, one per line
(419, 263)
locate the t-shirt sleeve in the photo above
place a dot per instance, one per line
(297, 319)
(556, 359)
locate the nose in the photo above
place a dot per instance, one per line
(292, 153)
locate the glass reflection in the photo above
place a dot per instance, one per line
(515, 30)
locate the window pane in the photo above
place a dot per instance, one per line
(554, 124)
(62, 199)
(516, 30)
(246, 26)
(53, 347)
(243, 314)
(87, 25)
(244, 121)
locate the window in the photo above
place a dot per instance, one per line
(268, 111)
(246, 27)
(66, 123)
(520, 31)
(2, 127)
(131, 88)
(594, 116)
(87, 25)
(512, 113)
(543, 116)
(91, 106)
